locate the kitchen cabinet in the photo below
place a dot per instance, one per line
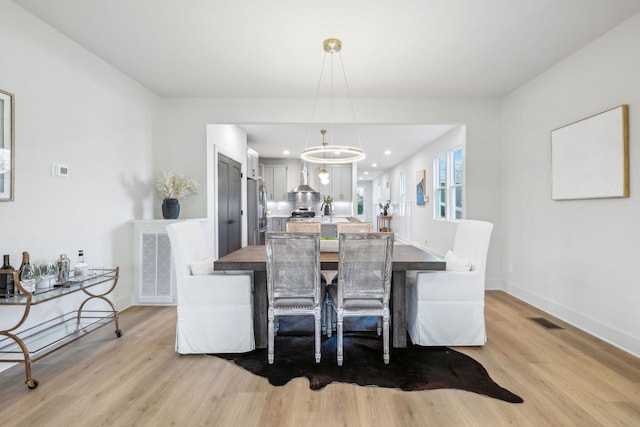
(276, 223)
(341, 183)
(252, 164)
(275, 182)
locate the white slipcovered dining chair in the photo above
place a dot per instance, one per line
(364, 283)
(446, 308)
(293, 282)
(214, 310)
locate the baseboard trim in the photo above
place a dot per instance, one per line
(598, 329)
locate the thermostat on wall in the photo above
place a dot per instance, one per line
(59, 170)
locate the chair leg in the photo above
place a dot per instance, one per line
(385, 338)
(318, 336)
(340, 321)
(271, 337)
(326, 307)
(329, 317)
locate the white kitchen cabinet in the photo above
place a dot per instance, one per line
(341, 183)
(275, 182)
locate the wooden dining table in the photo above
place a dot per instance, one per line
(405, 258)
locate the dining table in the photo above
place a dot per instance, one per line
(405, 258)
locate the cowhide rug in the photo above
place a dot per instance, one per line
(412, 368)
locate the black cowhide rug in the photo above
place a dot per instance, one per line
(411, 368)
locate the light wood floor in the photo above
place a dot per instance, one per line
(565, 377)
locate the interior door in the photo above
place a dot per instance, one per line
(229, 205)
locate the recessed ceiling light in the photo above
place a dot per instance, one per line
(387, 152)
(374, 165)
(286, 152)
(366, 173)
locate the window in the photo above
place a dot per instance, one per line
(403, 192)
(456, 183)
(441, 187)
(449, 180)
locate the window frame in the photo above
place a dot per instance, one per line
(446, 210)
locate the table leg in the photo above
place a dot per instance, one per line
(260, 307)
(399, 309)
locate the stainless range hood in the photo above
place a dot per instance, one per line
(303, 187)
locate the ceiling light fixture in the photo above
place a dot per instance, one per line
(323, 174)
(330, 153)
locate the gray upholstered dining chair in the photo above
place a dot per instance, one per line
(313, 227)
(293, 281)
(364, 283)
(304, 227)
(353, 227)
(344, 227)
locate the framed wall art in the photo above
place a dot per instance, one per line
(590, 158)
(6, 146)
(421, 187)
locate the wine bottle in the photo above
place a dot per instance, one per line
(28, 274)
(6, 279)
(25, 260)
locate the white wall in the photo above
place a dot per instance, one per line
(575, 259)
(72, 108)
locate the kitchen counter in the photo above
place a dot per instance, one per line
(329, 219)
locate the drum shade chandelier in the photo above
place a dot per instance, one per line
(330, 153)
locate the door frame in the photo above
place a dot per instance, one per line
(211, 227)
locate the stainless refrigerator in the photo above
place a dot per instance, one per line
(256, 211)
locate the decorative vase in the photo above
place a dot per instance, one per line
(170, 208)
(385, 213)
(327, 209)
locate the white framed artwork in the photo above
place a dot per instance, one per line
(590, 158)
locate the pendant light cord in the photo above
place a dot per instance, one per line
(315, 102)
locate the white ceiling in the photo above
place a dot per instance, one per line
(391, 49)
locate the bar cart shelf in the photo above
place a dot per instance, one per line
(32, 344)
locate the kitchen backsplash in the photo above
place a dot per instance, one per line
(285, 208)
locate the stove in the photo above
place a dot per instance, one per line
(303, 212)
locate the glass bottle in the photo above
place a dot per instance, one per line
(25, 259)
(81, 267)
(63, 269)
(6, 279)
(28, 274)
